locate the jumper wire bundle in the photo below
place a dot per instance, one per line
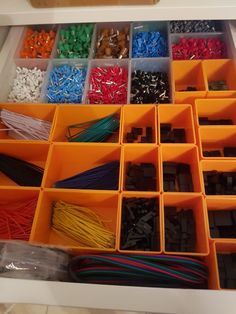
(16, 219)
(82, 225)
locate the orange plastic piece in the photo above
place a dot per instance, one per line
(216, 109)
(139, 116)
(39, 111)
(182, 153)
(145, 195)
(194, 202)
(105, 204)
(180, 116)
(188, 74)
(69, 159)
(216, 138)
(72, 114)
(140, 154)
(220, 70)
(37, 44)
(30, 151)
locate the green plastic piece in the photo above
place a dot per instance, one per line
(75, 41)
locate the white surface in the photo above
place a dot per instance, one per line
(19, 12)
(169, 301)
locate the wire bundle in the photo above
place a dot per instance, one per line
(23, 127)
(16, 219)
(104, 177)
(94, 131)
(81, 224)
(20, 171)
(140, 270)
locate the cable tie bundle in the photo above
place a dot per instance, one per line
(140, 270)
(94, 131)
(104, 177)
(24, 127)
(81, 224)
(20, 171)
(16, 219)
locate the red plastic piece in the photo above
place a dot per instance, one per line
(108, 85)
(199, 48)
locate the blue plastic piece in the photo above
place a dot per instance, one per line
(66, 84)
(149, 45)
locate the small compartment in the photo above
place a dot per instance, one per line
(198, 46)
(184, 156)
(107, 82)
(219, 177)
(105, 205)
(112, 41)
(198, 26)
(221, 218)
(142, 241)
(175, 117)
(176, 213)
(42, 37)
(150, 39)
(139, 117)
(70, 115)
(17, 208)
(30, 152)
(75, 41)
(225, 277)
(11, 82)
(38, 111)
(188, 80)
(140, 168)
(70, 159)
(218, 142)
(220, 76)
(65, 81)
(150, 81)
(216, 109)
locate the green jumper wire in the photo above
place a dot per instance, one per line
(94, 131)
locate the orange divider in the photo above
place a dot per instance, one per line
(216, 139)
(188, 74)
(221, 247)
(219, 203)
(138, 116)
(182, 153)
(139, 154)
(69, 159)
(220, 70)
(218, 165)
(105, 204)
(72, 114)
(194, 202)
(179, 116)
(14, 194)
(139, 195)
(27, 151)
(213, 276)
(39, 111)
(216, 109)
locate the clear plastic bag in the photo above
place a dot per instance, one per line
(27, 261)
